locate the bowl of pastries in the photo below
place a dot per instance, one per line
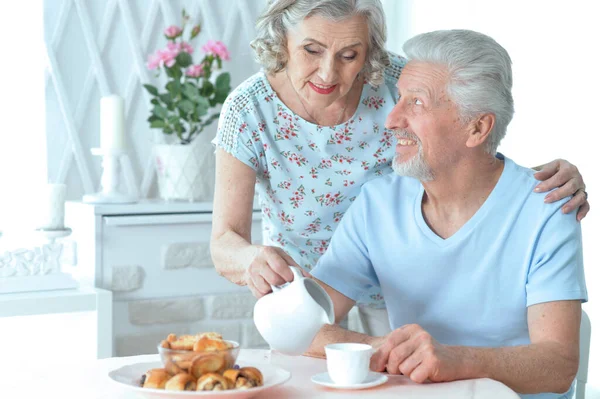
(201, 362)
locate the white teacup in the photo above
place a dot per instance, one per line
(290, 317)
(348, 364)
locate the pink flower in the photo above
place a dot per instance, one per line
(178, 47)
(153, 61)
(217, 48)
(195, 71)
(161, 58)
(167, 57)
(172, 32)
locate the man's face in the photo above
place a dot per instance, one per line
(427, 125)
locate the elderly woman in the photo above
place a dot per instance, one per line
(307, 132)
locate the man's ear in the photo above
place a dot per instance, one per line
(480, 129)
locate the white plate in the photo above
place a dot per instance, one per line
(372, 380)
(128, 377)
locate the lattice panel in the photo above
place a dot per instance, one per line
(98, 47)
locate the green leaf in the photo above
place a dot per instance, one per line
(203, 102)
(173, 119)
(186, 106)
(174, 87)
(153, 118)
(157, 124)
(154, 101)
(223, 82)
(184, 59)
(207, 88)
(168, 130)
(151, 89)
(220, 97)
(174, 72)
(191, 91)
(166, 98)
(160, 111)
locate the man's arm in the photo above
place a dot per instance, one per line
(548, 364)
(331, 334)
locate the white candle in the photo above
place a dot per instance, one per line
(112, 122)
(53, 207)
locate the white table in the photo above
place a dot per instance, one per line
(90, 381)
(80, 299)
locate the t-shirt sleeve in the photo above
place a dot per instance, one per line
(346, 265)
(236, 124)
(556, 271)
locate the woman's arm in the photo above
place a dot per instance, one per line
(567, 180)
(230, 245)
(232, 251)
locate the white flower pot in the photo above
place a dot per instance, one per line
(185, 172)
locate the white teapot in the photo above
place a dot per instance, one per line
(290, 317)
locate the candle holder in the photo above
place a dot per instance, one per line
(51, 235)
(110, 179)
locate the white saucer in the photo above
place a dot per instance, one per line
(372, 380)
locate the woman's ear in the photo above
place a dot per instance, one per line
(480, 129)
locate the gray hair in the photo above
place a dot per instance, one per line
(480, 75)
(282, 15)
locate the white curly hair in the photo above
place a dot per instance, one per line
(282, 15)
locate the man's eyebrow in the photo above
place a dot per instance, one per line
(415, 90)
(310, 39)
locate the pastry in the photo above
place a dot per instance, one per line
(186, 342)
(155, 378)
(208, 344)
(212, 335)
(183, 360)
(207, 363)
(174, 369)
(181, 382)
(165, 344)
(244, 378)
(183, 342)
(213, 382)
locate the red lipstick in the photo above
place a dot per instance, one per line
(320, 90)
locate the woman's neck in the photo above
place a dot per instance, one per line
(338, 112)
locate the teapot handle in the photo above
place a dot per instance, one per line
(297, 276)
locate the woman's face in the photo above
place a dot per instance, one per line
(325, 57)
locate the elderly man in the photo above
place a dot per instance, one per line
(480, 278)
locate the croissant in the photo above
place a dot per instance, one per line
(181, 382)
(244, 378)
(213, 382)
(174, 369)
(183, 360)
(207, 363)
(155, 378)
(212, 335)
(165, 344)
(183, 342)
(186, 342)
(207, 344)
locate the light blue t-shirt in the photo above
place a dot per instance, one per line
(473, 288)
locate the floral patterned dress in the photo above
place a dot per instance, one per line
(308, 175)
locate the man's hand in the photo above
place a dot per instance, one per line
(412, 351)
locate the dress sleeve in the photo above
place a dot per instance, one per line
(556, 271)
(346, 265)
(237, 121)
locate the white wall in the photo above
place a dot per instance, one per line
(555, 54)
(97, 48)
